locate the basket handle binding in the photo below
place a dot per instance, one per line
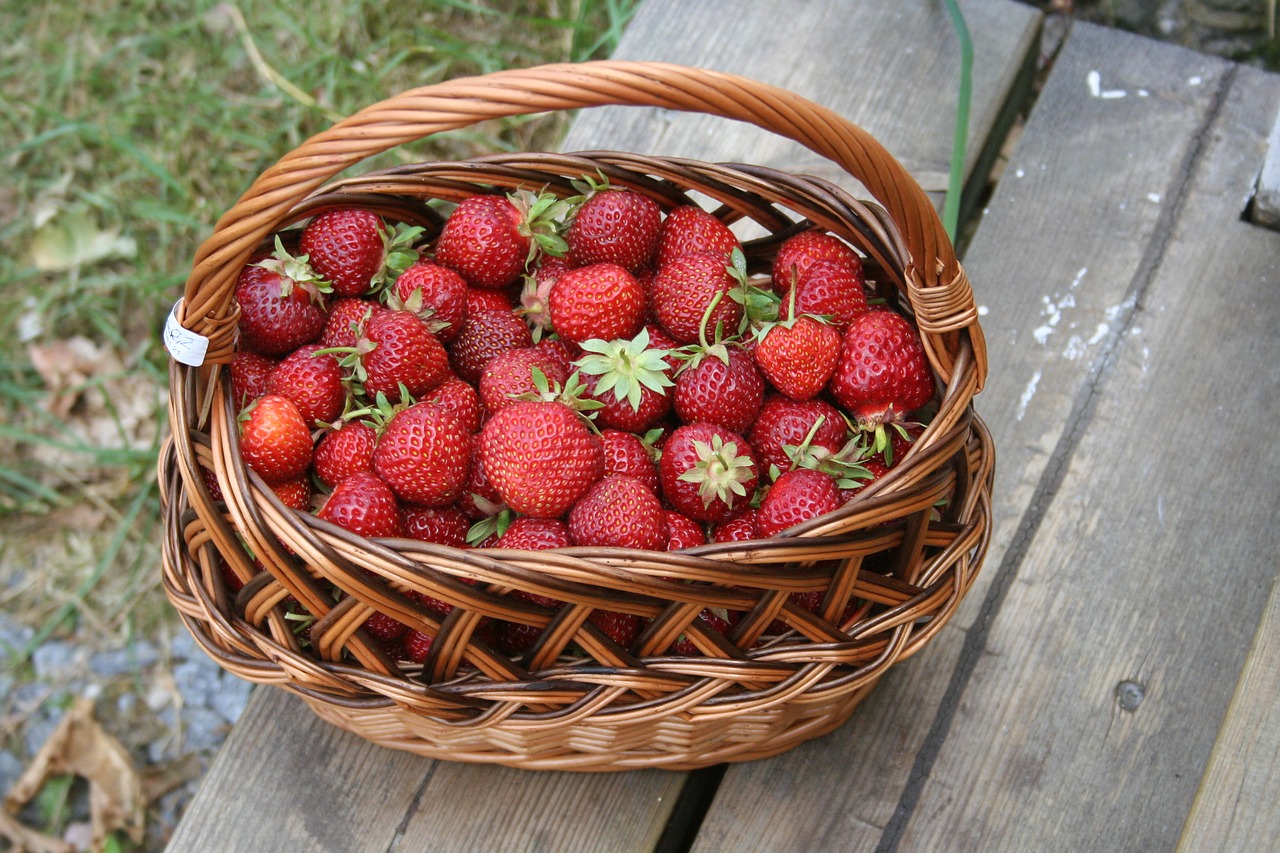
(938, 289)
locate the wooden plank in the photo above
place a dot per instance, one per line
(1235, 808)
(1070, 227)
(896, 96)
(285, 780)
(1091, 713)
(890, 68)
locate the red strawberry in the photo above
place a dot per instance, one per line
(696, 291)
(388, 631)
(601, 301)
(798, 495)
(799, 251)
(295, 493)
(798, 356)
(313, 381)
(615, 226)
(689, 229)
(417, 645)
(482, 241)
(424, 455)
(883, 374)
(354, 251)
(398, 349)
(460, 398)
(275, 440)
(484, 334)
(365, 505)
(785, 423)
(443, 525)
(829, 289)
(535, 296)
(720, 385)
(622, 628)
(346, 321)
(540, 457)
(480, 500)
(344, 451)
(739, 529)
(859, 465)
(436, 294)
(619, 511)
(278, 313)
(683, 531)
(250, 374)
(629, 379)
(535, 534)
(510, 375)
(707, 472)
(479, 299)
(627, 453)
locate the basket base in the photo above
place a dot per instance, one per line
(684, 742)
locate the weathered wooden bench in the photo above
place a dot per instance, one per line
(1112, 679)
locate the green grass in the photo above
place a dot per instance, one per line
(126, 128)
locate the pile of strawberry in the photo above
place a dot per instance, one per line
(554, 372)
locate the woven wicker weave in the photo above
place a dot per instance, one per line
(905, 551)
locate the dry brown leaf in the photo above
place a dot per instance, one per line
(27, 840)
(80, 746)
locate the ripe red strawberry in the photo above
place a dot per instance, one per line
(622, 628)
(275, 440)
(404, 352)
(344, 451)
(785, 423)
(424, 455)
(799, 251)
(313, 381)
(696, 291)
(830, 290)
(346, 321)
(354, 250)
(627, 453)
(535, 295)
(480, 500)
(461, 398)
(798, 356)
(443, 525)
(365, 505)
(798, 495)
(707, 472)
(436, 294)
(510, 375)
(741, 528)
(295, 493)
(482, 241)
(719, 385)
(484, 334)
(615, 226)
(250, 374)
(619, 511)
(417, 645)
(278, 313)
(479, 299)
(689, 229)
(629, 379)
(883, 374)
(601, 301)
(387, 631)
(540, 457)
(872, 456)
(683, 531)
(535, 534)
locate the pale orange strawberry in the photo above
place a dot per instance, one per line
(275, 439)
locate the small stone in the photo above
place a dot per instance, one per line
(10, 769)
(137, 657)
(56, 659)
(230, 698)
(203, 728)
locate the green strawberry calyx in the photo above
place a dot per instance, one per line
(295, 271)
(398, 254)
(720, 472)
(542, 218)
(626, 367)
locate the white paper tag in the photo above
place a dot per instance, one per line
(184, 345)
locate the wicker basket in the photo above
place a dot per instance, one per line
(906, 550)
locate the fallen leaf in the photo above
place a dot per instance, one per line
(79, 745)
(74, 239)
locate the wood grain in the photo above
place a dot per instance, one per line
(1235, 808)
(1092, 710)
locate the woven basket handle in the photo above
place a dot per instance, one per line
(937, 287)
